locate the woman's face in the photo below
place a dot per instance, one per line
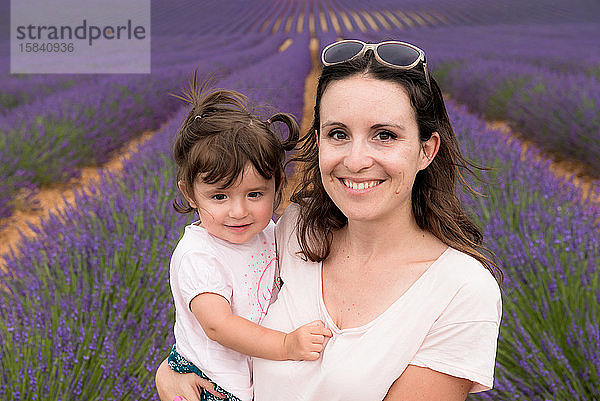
(369, 148)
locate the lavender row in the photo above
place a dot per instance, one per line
(560, 113)
(565, 47)
(86, 310)
(18, 90)
(47, 141)
(82, 324)
(542, 233)
(486, 12)
(355, 17)
(561, 48)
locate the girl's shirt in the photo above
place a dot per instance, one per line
(447, 321)
(241, 273)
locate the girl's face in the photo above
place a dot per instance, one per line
(369, 147)
(237, 213)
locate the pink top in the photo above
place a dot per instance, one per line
(447, 321)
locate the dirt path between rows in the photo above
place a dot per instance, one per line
(57, 197)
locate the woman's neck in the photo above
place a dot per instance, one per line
(365, 239)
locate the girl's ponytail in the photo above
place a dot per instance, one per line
(293, 130)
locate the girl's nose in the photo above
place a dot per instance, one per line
(358, 157)
(238, 209)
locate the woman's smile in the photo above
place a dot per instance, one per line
(360, 185)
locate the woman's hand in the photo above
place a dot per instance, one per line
(171, 384)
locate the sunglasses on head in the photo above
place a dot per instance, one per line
(393, 54)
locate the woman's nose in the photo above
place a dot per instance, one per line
(358, 157)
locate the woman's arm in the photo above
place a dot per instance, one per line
(422, 384)
(171, 384)
(246, 337)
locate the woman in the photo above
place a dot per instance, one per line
(376, 245)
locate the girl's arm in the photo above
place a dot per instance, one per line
(221, 325)
(171, 384)
(422, 384)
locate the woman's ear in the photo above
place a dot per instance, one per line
(429, 150)
(184, 191)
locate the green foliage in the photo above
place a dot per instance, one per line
(42, 157)
(500, 100)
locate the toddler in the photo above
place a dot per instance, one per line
(223, 270)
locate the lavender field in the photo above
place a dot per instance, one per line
(86, 309)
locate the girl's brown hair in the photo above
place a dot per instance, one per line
(219, 137)
(435, 205)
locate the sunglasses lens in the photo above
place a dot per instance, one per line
(397, 54)
(342, 52)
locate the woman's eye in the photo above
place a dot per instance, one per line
(254, 194)
(386, 135)
(219, 197)
(337, 134)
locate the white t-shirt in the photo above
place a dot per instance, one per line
(241, 273)
(447, 320)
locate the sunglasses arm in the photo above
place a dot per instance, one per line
(426, 74)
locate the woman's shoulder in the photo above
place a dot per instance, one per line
(289, 215)
(466, 267)
(289, 251)
(467, 275)
(286, 224)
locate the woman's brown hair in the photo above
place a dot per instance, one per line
(219, 137)
(435, 204)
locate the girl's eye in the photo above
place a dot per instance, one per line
(219, 197)
(337, 134)
(254, 194)
(386, 135)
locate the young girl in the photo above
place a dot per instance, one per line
(222, 273)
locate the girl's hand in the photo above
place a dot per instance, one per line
(171, 384)
(306, 342)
